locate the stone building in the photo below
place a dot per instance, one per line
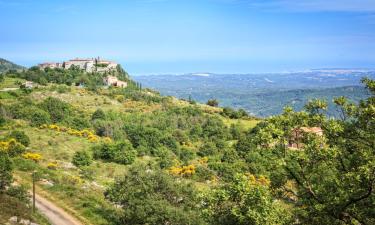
(298, 134)
(87, 64)
(113, 81)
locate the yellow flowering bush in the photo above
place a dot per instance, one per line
(12, 147)
(89, 134)
(52, 165)
(261, 180)
(72, 180)
(182, 171)
(33, 156)
(203, 160)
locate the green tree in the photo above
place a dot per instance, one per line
(245, 201)
(334, 174)
(150, 196)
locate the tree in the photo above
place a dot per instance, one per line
(245, 201)
(334, 174)
(149, 195)
(213, 103)
(82, 158)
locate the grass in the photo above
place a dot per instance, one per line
(10, 82)
(74, 189)
(246, 124)
(10, 206)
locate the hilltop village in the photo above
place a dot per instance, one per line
(90, 65)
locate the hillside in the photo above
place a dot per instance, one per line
(110, 155)
(6, 65)
(263, 94)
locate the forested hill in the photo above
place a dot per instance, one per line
(263, 94)
(6, 65)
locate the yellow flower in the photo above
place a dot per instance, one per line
(33, 156)
(52, 165)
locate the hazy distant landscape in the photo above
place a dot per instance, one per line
(263, 94)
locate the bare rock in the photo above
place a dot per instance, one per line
(25, 222)
(13, 220)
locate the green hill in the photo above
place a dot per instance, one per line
(6, 65)
(111, 155)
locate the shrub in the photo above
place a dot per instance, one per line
(21, 137)
(19, 192)
(52, 165)
(82, 158)
(57, 109)
(213, 102)
(120, 152)
(39, 117)
(5, 171)
(33, 156)
(78, 122)
(98, 115)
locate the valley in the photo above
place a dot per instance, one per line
(263, 95)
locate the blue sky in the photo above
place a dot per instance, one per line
(165, 36)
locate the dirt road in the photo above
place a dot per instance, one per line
(53, 213)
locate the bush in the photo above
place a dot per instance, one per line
(98, 115)
(5, 171)
(82, 158)
(78, 122)
(40, 117)
(57, 109)
(21, 137)
(19, 192)
(213, 102)
(120, 152)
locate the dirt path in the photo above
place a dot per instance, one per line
(53, 213)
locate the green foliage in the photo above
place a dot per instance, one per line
(234, 114)
(20, 136)
(246, 201)
(82, 158)
(39, 117)
(5, 171)
(150, 196)
(98, 115)
(334, 173)
(19, 192)
(213, 102)
(120, 152)
(57, 109)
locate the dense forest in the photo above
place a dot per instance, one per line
(143, 158)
